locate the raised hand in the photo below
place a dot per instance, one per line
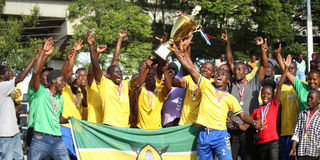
(184, 45)
(224, 36)
(78, 46)
(90, 39)
(48, 46)
(288, 60)
(278, 51)
(149, 62)
(259, 41)
(101, 48)
(123, 33)
(163, 39)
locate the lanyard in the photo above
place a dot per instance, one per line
(195, 90)
(76, 101)
(263, 114)
(120, 91)
(220, 97)
(241, 92)
(150, 97)
(309, 120)
(54, 108)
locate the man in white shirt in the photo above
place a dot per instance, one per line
(220, 61)
(301, 65)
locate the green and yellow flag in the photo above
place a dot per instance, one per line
(98, 141)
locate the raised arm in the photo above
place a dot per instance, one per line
(263, 54)
(94, 58)
(136, 82)
(100, 48)
(180, 82)
(229, 56)
(182, 55)
(167, 78)
(46, 52)
(25, 72)
(283, 77)
(289, 76)
(67, 68)
(116, 55)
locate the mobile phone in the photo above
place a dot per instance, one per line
(277, 44)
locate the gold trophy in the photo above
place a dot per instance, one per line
(183, 26)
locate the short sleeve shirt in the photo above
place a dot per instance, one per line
(150, 106)
(115, 102)
(302, 90)
(269, 126)
(289, 111)
(72, 104)
(46, 120)
(8, 125)
(212, 112)
(250, 96)
(95, 113)
(191, 102)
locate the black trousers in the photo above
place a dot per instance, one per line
(245, 141)
(269, 150)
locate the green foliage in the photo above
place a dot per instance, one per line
(14, 54)
(107, 19)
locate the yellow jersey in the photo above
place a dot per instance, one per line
(72, 104)
(115, 102)
(150, 106)
(95, 113)
(191, 102)
(289, 111)
(213, 109)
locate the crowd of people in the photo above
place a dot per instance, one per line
(243, 109)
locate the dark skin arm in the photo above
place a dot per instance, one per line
(25, 72)
(94, 58)
(180, 82)
(116, 55)
(136, 82)
(84, 94)
(264, 59)
(182, 54)
(290, 77)
(283, 77)
(167, 79)
(46, 52)
(63, 120)
(229, 56)
(293, 151)
(100, 48)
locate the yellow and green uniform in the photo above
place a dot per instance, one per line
(289, 111)
(150, 106)
(115, 102)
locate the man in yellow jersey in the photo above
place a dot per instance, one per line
(113, 92)
(289, 109)
(74, 97)
(93, 96)
(213, 110)
(152, 94)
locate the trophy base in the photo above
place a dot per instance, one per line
(162, 51)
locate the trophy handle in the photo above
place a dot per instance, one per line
(197, 28)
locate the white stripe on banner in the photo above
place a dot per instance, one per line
(129, 152)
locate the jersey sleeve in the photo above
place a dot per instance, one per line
(234, 105)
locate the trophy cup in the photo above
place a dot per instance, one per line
(183, 26)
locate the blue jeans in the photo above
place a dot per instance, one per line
(11, 148)
(214, 142)
(45, 145)
(301, 76)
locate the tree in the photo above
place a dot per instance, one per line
(107, 19)
(14, 54)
